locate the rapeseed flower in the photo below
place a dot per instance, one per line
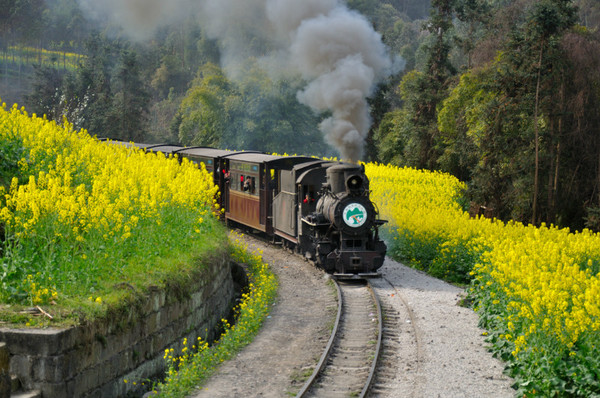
(82, 198)
(536, 288)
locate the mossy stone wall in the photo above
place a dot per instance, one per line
(95, 360)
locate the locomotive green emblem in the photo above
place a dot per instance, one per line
(354, 215)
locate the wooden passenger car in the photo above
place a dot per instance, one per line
(255, 187)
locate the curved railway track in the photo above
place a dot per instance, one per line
(348, 364)
(400, 334)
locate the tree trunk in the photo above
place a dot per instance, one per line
(536, 184)
(554, 149)
(549, 218)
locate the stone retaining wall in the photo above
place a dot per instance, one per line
(94, 360)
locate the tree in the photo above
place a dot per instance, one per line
(473, 16)
(548, 20)
(422, 92)
(487, 131)
(516, 113)
(87, 98)
(202, 112)
(462, 139)
(21, 20)
(589, 13)
(575, 188)
(45, 93)
(268, 117)
(169, 76)
(251, 113)
(130, 106)
(65, 27)
(391, 138)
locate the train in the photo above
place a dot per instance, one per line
(318, 208)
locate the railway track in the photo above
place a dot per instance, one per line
(348, 364)
(400, 334)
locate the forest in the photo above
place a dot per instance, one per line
(503, 94)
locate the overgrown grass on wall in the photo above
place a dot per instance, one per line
(190, 369)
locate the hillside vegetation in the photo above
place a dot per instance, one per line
(501, 94)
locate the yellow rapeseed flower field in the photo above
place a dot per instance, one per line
(536, 288)
(84, 206)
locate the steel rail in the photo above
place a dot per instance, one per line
(332, 339)
(371, 377)
(311, 380)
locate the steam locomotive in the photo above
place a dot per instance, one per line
(318, 208)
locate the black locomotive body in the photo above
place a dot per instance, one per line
(319, 208)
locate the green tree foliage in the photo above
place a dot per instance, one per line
(548, 20)
(462, 125)
(472, 18)
(87, 97)
(202, 111)
(65, 27)
(55, 24)
(519, 116)
(253, 113)
(130, 103)
(413, 9)
(421, 92)
(106, 95)
(487, 137)
(392, 137)
(45, 94)
(171, 75)
(589, 13)
(20, 20)
(575, 169)
(519, 124)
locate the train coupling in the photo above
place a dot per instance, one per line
(359, 275)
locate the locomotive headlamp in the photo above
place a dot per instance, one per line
(354, 183)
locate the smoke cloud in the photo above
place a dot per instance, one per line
(138, 19)
(336, 50)
(343, 58)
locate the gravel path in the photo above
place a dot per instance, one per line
(442, 351)
(438, 349)
(291, 340)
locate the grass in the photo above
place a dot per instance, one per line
(173, 271)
